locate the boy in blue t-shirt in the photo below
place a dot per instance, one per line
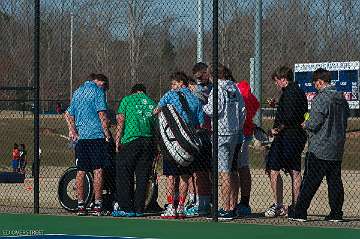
(179, 83)
(88, 125)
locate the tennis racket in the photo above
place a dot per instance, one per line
(261, 135)
(352, 130)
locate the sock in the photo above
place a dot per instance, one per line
(197, 200)
(245, 200)
(191, 197)
(170, 199)
(182, 200)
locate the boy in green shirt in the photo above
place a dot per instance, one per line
(136, 151)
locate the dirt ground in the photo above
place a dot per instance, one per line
(21, 195)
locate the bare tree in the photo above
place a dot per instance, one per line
(138, 16)
(347, 12)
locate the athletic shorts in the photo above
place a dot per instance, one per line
(171, 168)
(91, 154)
(285, 151)
(202, 162)
(242, 153)
(226, 152)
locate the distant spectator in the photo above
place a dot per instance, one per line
(192, 85)
(15, 158)
(23, 159)
(58, 108)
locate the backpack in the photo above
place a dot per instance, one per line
(177, 137)
(183, 142)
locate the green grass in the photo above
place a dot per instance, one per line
(55, 150)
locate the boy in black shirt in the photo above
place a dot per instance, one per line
(290, 139)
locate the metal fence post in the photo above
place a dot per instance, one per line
(71, 47)
(36, 104)
(252, 74)
(258, 60)
(215, 61)
(200, 32)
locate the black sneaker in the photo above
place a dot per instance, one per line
(291, 212)
(297, 217)
(334, 218)
(226, 215)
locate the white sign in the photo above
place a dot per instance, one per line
(330, 66)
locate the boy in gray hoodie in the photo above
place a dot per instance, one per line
(231, 110)
(326, 128)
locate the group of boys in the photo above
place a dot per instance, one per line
(135, 142)
(137, 146)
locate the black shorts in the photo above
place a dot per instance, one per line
(202, 162)
(91, 154)
(171, 168)
(234, 165)
(285, 151)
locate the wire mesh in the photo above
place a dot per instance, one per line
(16, 71)
(154, 43)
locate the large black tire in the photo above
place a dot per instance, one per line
(151, 204)
(151, 192)
(67, 189)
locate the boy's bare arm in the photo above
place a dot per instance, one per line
(120, 119)
(105, 124)
(70, 120)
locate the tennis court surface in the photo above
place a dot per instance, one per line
(46, 226)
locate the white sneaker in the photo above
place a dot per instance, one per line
(180, 214)
(275, 211)
(116, 206)
(169, 213)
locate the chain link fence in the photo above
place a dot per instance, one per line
(157, 43)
